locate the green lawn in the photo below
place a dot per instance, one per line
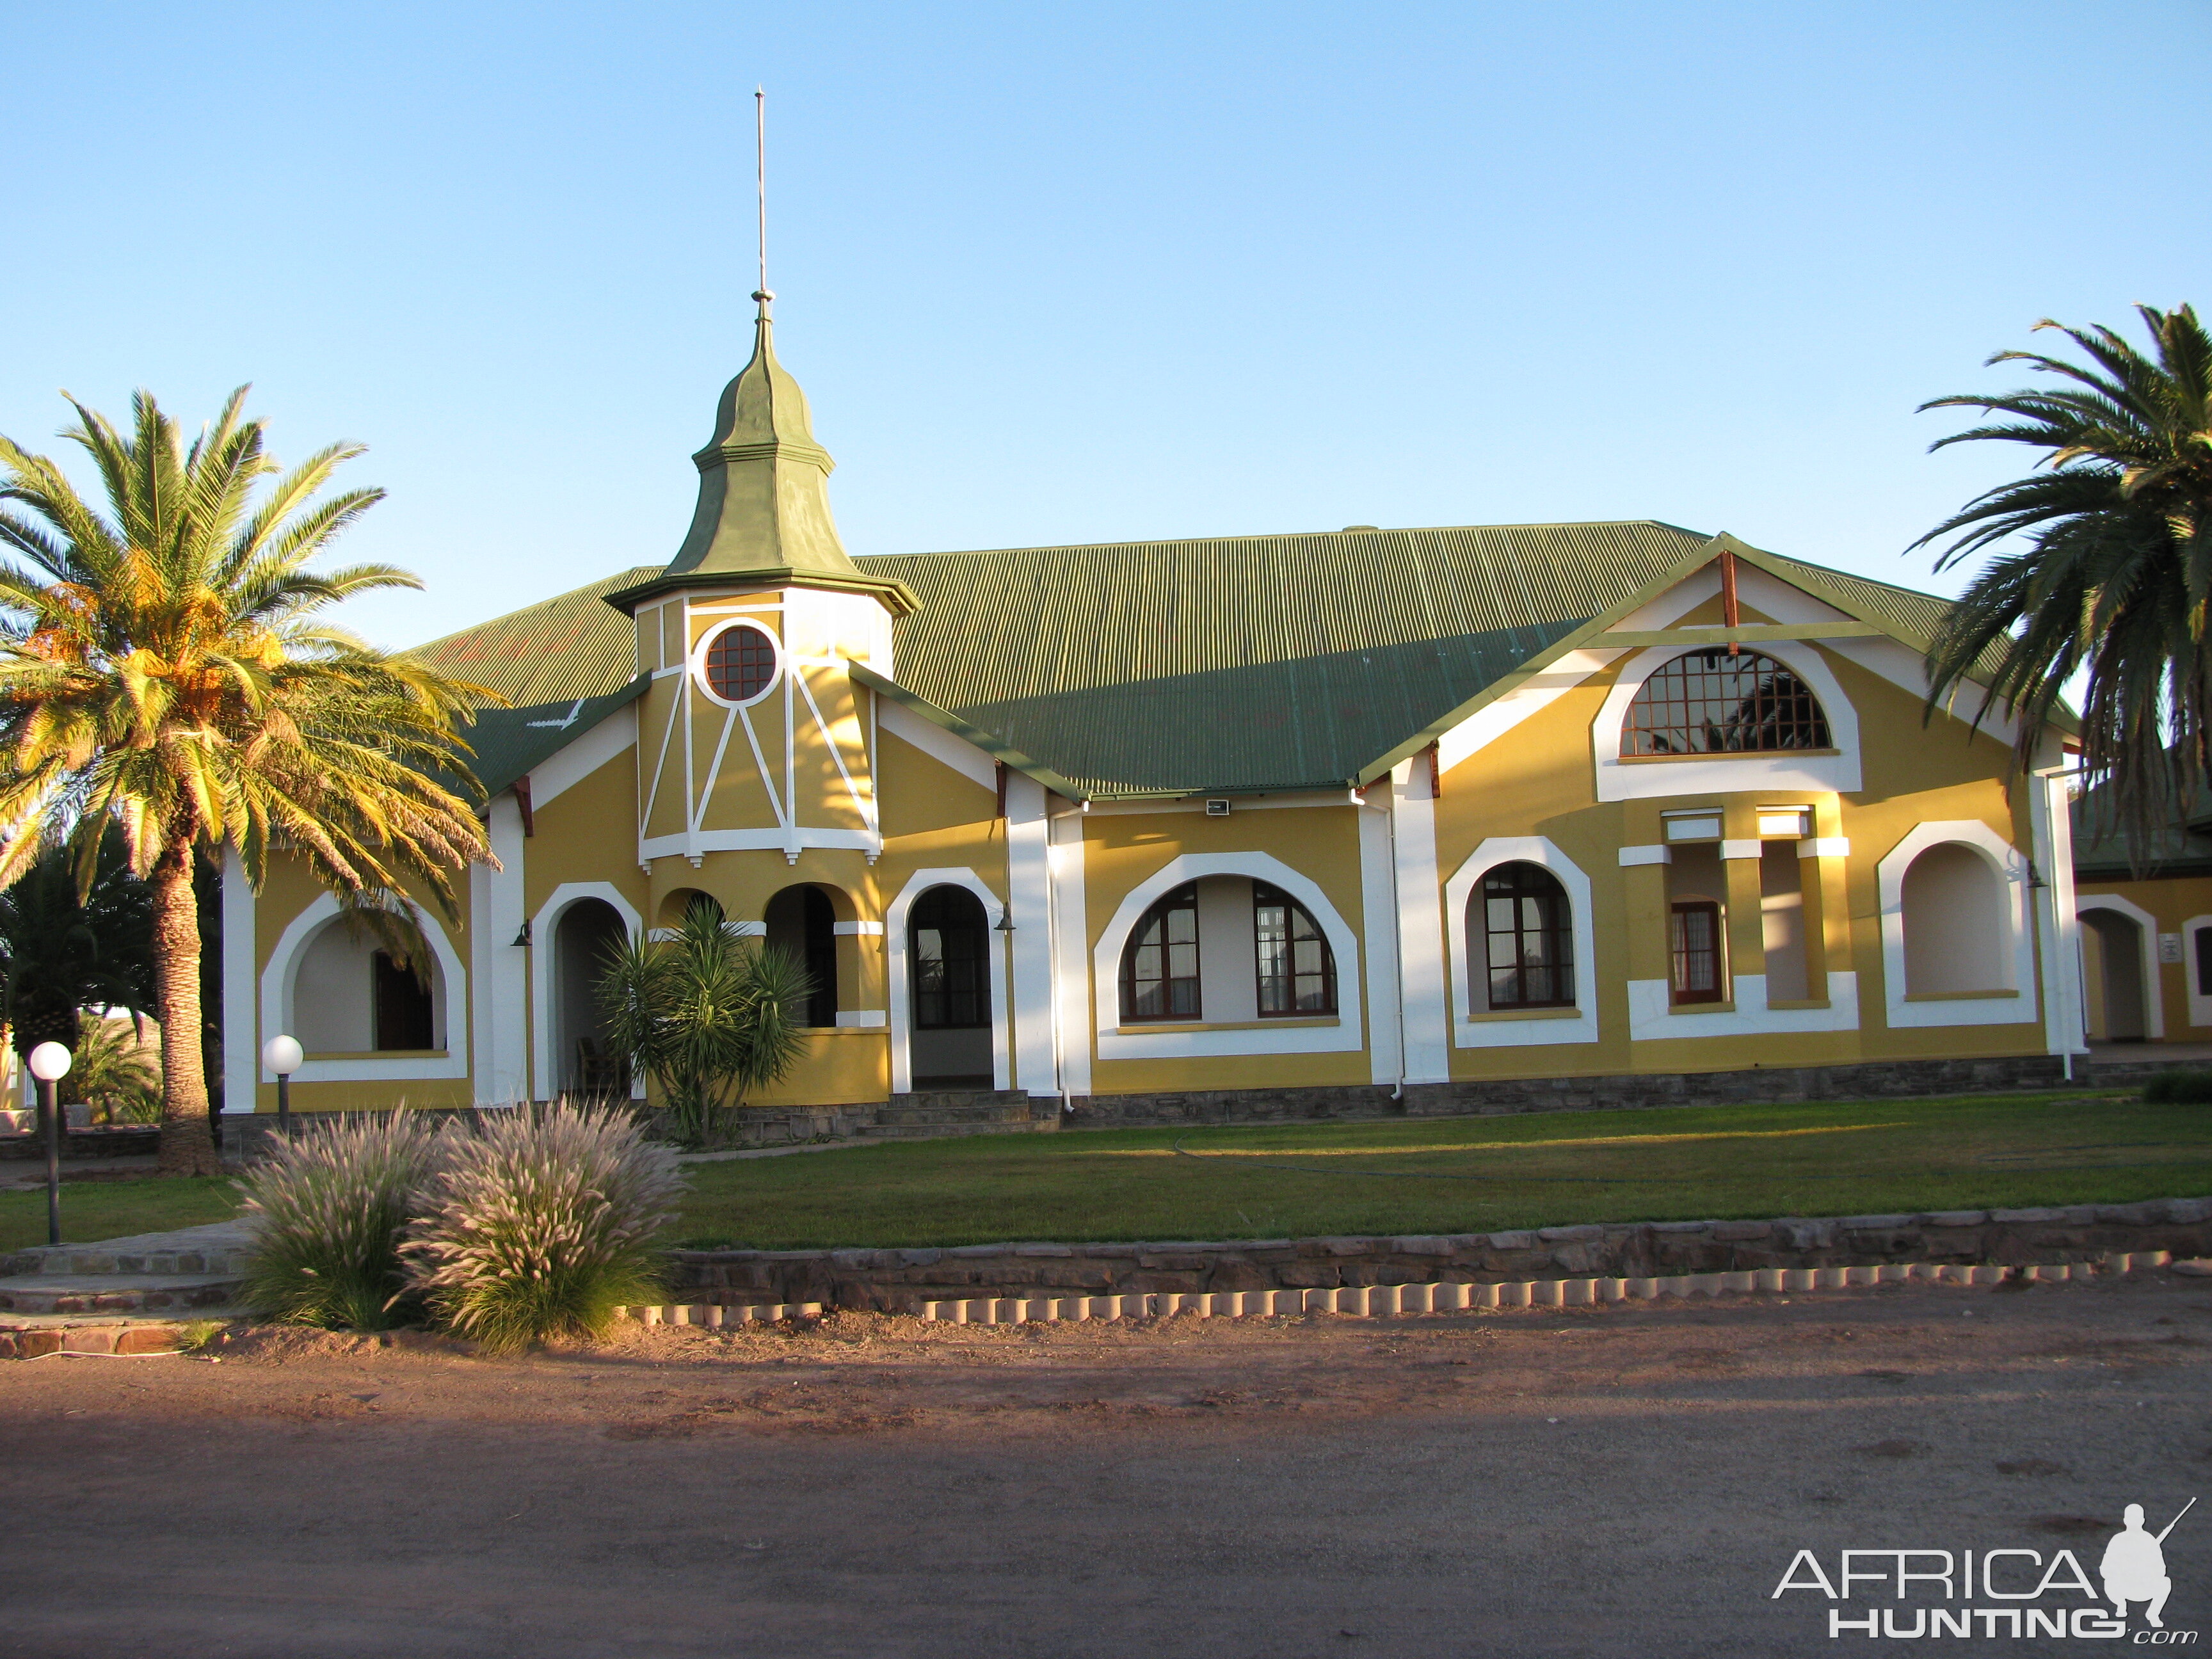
(1453, 1175)
(94, 1210)
(1461, 1175)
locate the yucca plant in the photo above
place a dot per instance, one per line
(329, 1203)
(540, 1225)
(707, 1013)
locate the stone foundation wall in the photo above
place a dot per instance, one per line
(1869, 1078)
(900, 1281)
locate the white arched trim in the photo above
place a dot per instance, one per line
(1777, 769)
(2200, 1004)
(896, 945)
(2153, 986)
(542, 970)
(1535, 1025)
(1286, 1039)
(277, 985)
(2018, 954)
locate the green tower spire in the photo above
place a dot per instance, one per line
(763, 512)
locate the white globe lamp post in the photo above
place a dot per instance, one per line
(49, 1064)
(283, 1055)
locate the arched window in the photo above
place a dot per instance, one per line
(1521, 914)
(1159, 969)
(1296, 973)
(1956, 938)
(1707, 703)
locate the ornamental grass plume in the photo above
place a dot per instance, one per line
(540, 1225)
(329, 1203)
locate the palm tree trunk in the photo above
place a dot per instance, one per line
(187, 1148)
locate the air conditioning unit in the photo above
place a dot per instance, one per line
(1217, 809)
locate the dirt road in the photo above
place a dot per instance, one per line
(1625, 1480)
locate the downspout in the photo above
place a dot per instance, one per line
(1397, 935)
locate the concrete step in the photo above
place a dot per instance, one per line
(116, 1293)
(220, 1248)
(949, 1131)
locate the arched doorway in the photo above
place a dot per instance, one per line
(802, 922)
(587, 933)
(679, 903)
(948, 955)
(2112, 977)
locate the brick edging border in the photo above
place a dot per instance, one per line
(1385, 1301)
(902, 1281)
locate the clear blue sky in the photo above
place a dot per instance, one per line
(1063, 274)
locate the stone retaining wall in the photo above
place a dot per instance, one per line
(1871, 1078)
(900, 1281)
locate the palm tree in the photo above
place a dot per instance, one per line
(162, 667)
(63, 951)
(2115, 580)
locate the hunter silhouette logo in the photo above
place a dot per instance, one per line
(2133, 1567)
(2012, 1592)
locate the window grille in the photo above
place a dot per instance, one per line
(1297, 975)
(952, 965)
(741, 663)
(1529, 927)
(1708, 702)
(1696, 948)
(1159, 969)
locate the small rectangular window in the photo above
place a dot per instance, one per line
(2205, 962)
(1695, 949)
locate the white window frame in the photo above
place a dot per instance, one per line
(899, 979)
(1517, 1028)
(2200, 1005)
(280, 978)
(2018, 954)
(1767, 772)
(1342, 1035)
(698, 663)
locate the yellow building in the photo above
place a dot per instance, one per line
(2146, 938)
(1451, 817)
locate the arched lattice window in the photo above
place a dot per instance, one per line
(1297, 975)
(1159, 969)
(1707, 703)
(1529, 941)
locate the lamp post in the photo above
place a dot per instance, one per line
(49, 1063)
(283, 1055)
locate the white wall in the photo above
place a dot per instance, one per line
(1228, 965)
(333, 1000)
(1956, 938)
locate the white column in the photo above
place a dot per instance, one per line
(1028, 884)
(1426, 1018)
(2052, 824)
(1378, 905)
(499, 971)
(242, 1038)
(1071, 939)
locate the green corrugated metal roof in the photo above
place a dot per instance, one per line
(551, 652)
(1251, 662)
(1230, 664)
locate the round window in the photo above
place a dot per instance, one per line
(739, 663)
